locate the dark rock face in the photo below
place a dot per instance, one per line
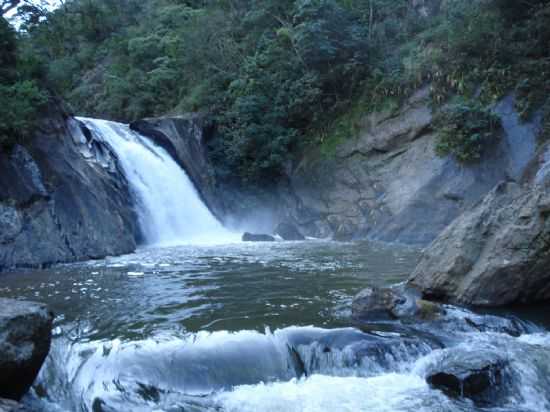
(62, 198)
(251, 237)
(288, 231)
(471, 376)
(25, 337)
(498, 253)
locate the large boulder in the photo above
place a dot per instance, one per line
(25, 337)
(497, 253)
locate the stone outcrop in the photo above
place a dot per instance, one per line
(62, 198)
(497, 253)
(25, 337)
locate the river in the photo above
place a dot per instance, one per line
(252, 327)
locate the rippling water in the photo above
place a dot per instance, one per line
(253, 327)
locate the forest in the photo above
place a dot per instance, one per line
(274, 76)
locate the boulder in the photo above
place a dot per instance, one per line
(251, 237)
(396, 302)
(473, 376)
(497, 253)
(25, 337)
(288, 231)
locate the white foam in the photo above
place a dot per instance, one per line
(319, 393)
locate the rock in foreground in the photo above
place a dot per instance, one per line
(25, 337)
(496, 254)
(251, 237)
(471, 375)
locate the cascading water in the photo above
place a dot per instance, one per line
(169, 208)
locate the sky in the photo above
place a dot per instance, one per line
(50, 4)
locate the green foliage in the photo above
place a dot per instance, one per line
(20, 95)
(466, 131)
(281, 75)
(19, 103)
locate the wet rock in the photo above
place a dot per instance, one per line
(252, 237)
(498, 253)
(397, 302)
(288, 231)
(470, 376)
(25, 337)
(8, 405)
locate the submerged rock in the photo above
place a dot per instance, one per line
(472, 376)
(288, 231)
(25, 337)
(251, 237)
(497, 253)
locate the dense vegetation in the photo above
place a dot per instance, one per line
(21, 97)
(280, 75)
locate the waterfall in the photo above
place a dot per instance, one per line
(169, 208)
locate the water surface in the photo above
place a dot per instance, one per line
(255, 327)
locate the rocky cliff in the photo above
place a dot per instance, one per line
(62, 198)
(389, 184)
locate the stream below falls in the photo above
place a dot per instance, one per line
(261, 327)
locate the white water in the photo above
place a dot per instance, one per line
(169, 208)
(249, 371)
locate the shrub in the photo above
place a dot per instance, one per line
(465, 131)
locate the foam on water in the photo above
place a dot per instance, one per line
(318, 393)
(169, 208)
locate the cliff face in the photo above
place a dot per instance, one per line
(62, 199)
(389, 184)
